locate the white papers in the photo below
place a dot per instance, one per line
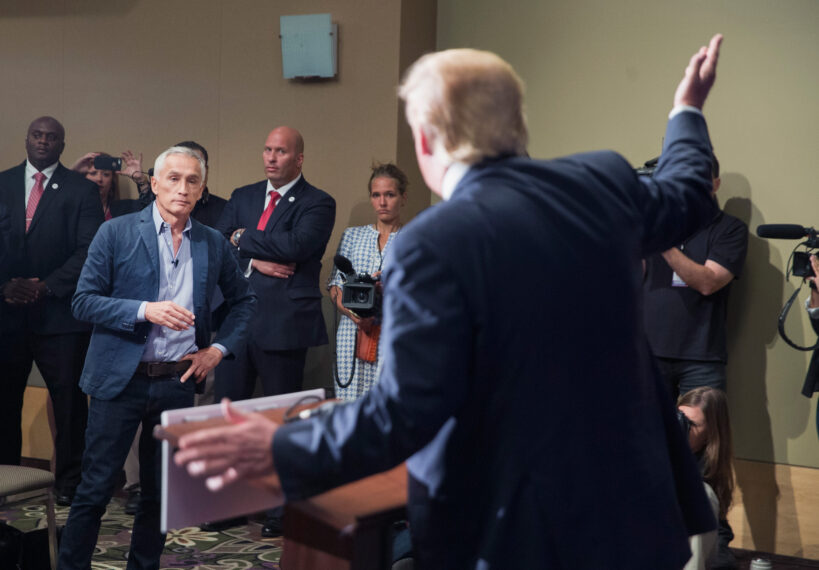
(186, 501)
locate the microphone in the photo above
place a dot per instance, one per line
(343, 264)
(175, 263)
(783, 231)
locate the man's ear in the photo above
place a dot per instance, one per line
(716, 183)
(425, 142)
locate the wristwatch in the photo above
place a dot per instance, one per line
(236, 235)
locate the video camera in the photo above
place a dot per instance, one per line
(359, 293)
(800, 259)
(800, 266)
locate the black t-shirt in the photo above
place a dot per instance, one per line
(680, 322)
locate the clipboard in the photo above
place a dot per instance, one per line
(186, 501)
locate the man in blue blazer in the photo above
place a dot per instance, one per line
(146, 287)
(280, 243)
(537, 430)
(38, 273)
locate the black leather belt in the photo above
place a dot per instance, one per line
(157, 369)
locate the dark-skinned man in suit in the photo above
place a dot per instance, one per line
(53, 214)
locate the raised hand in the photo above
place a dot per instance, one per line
(131, 164)
(85, 162)
(699, 75)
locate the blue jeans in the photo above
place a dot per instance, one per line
(111, 428)
(684, 375)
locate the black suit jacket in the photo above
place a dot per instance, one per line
(53, 250)
(289, 314)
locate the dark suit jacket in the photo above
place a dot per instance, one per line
(122, 271)
(53, 250)
(289, 313)
(516, 372)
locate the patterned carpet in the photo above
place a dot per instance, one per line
(238, 548)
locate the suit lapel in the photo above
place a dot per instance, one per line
(287, 202)
(17, 202)
(147, 232)
(199, 257)
(52, 186)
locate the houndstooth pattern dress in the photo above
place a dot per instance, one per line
(359, 244)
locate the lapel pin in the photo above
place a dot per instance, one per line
(291, 199)
(55, 186)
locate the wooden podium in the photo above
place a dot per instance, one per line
(349, 527)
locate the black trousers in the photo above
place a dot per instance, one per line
(280, 371)
(60, 359)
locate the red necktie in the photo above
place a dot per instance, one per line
(34, 198)
(274, 197)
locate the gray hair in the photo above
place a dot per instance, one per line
(159, 164)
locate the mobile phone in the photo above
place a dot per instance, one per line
(108, 163)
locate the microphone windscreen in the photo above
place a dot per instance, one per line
(781, 231)
(344, 265)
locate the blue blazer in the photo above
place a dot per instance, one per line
(53, 250)
(289, 314)
(122, 271)
(516, 376)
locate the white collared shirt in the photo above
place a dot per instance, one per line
(282, 191)
(452, 176)
(31, 170)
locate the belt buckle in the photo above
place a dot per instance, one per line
(153, 369)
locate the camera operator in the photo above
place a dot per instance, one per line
(365, 247)
(686, 297)
(812, 305)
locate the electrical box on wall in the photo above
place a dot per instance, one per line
(309, 46)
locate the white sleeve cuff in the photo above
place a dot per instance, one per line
(683, 109)
(813, 312)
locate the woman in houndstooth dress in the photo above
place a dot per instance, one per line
(366, 247)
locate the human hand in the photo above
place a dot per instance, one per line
(132, 165)
(273, 269)
(20, 291)
(226, 454)
(814, 282)
(203, 361)
(85, 162)
(366, 325)
(169, 314)
(699, 75)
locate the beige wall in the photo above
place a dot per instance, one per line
(601, 74)
(146, 74)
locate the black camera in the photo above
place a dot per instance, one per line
(800, 266)
(359, 292)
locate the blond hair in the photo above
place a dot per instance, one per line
(469, 104)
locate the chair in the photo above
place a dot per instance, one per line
(15, 480)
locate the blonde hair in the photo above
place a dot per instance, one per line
(469, 104)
